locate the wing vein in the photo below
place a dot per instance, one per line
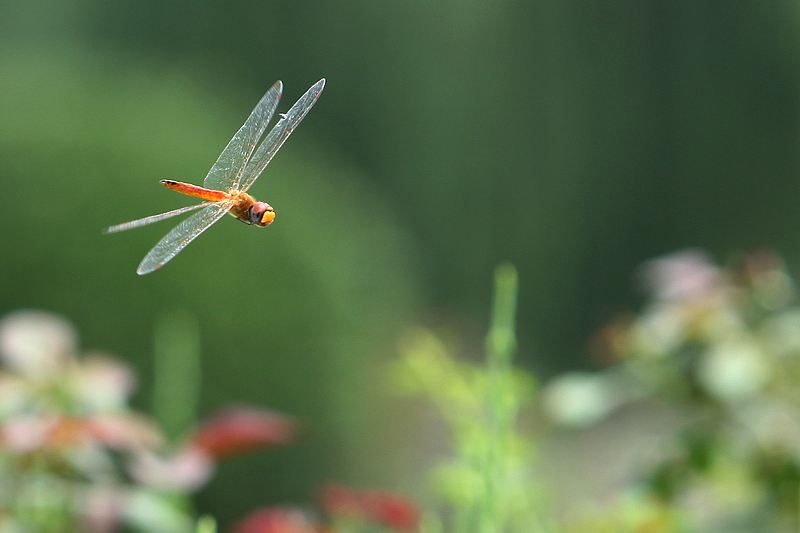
(277, 136)
(231, 162)
(152, 218)
(180, 236)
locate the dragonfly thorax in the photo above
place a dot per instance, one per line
(248, 210)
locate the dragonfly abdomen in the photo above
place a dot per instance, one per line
(195, 191)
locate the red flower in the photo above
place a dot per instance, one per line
(238, 430)
(277, 520)
(374, 506)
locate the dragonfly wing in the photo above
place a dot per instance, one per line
(153, 218)
(275, 138)
(230, 163)
(180, 236)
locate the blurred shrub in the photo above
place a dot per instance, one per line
(489, 485)
(75, 457)
(720, 348)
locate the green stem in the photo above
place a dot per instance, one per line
(500, 346)
(206, 524)
(177, 373)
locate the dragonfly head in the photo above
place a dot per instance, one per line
(261, 214)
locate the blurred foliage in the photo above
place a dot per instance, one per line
(73, 456)
(489, 485)
(720, 348)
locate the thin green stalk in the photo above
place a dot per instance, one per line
(500, 346)
(501, 341)
(177, 373)
(206, 524)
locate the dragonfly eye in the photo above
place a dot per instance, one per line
(258, 212)
(255, 214)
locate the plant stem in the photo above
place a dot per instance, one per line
(500, 347)
(177, 373)
(206, 524)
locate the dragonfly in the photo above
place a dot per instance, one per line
(225, 186)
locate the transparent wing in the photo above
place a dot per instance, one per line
(278, 136)
(234, 157)
(180, 236)
(153, 218)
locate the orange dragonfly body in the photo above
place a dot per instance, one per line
(242, 205)
(225, 187)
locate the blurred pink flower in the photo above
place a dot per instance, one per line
(101, 383)
(26, 433)
(378, 507)
(681, 276)
(241, 429)
(65, 424)
(189, 469)
(124, 431)
(101, 508)
(277, 520)
(36, 344)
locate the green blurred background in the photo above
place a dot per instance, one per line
(574, 139)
